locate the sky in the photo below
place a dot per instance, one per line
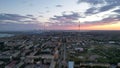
(20, 15)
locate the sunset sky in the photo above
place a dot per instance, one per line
(18, 15)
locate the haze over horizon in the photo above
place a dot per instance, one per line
(16, 15)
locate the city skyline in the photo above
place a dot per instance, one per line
(59, 15)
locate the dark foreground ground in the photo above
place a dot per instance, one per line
(55, 49)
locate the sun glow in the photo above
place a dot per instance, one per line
(113, 26)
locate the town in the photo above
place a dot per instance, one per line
(61, 49)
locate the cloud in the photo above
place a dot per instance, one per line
(92, 17)
(66, 17)
(95, 2)
(16, 22)
(59, 5)
(101, 11)
(18, 27)
(90, 12)
(46, 7)
(30, 15)
(41, 16)
(101, 15)
(90, 1)
(117, 11)
(16, 18)
(47, 11)
(100, 5)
